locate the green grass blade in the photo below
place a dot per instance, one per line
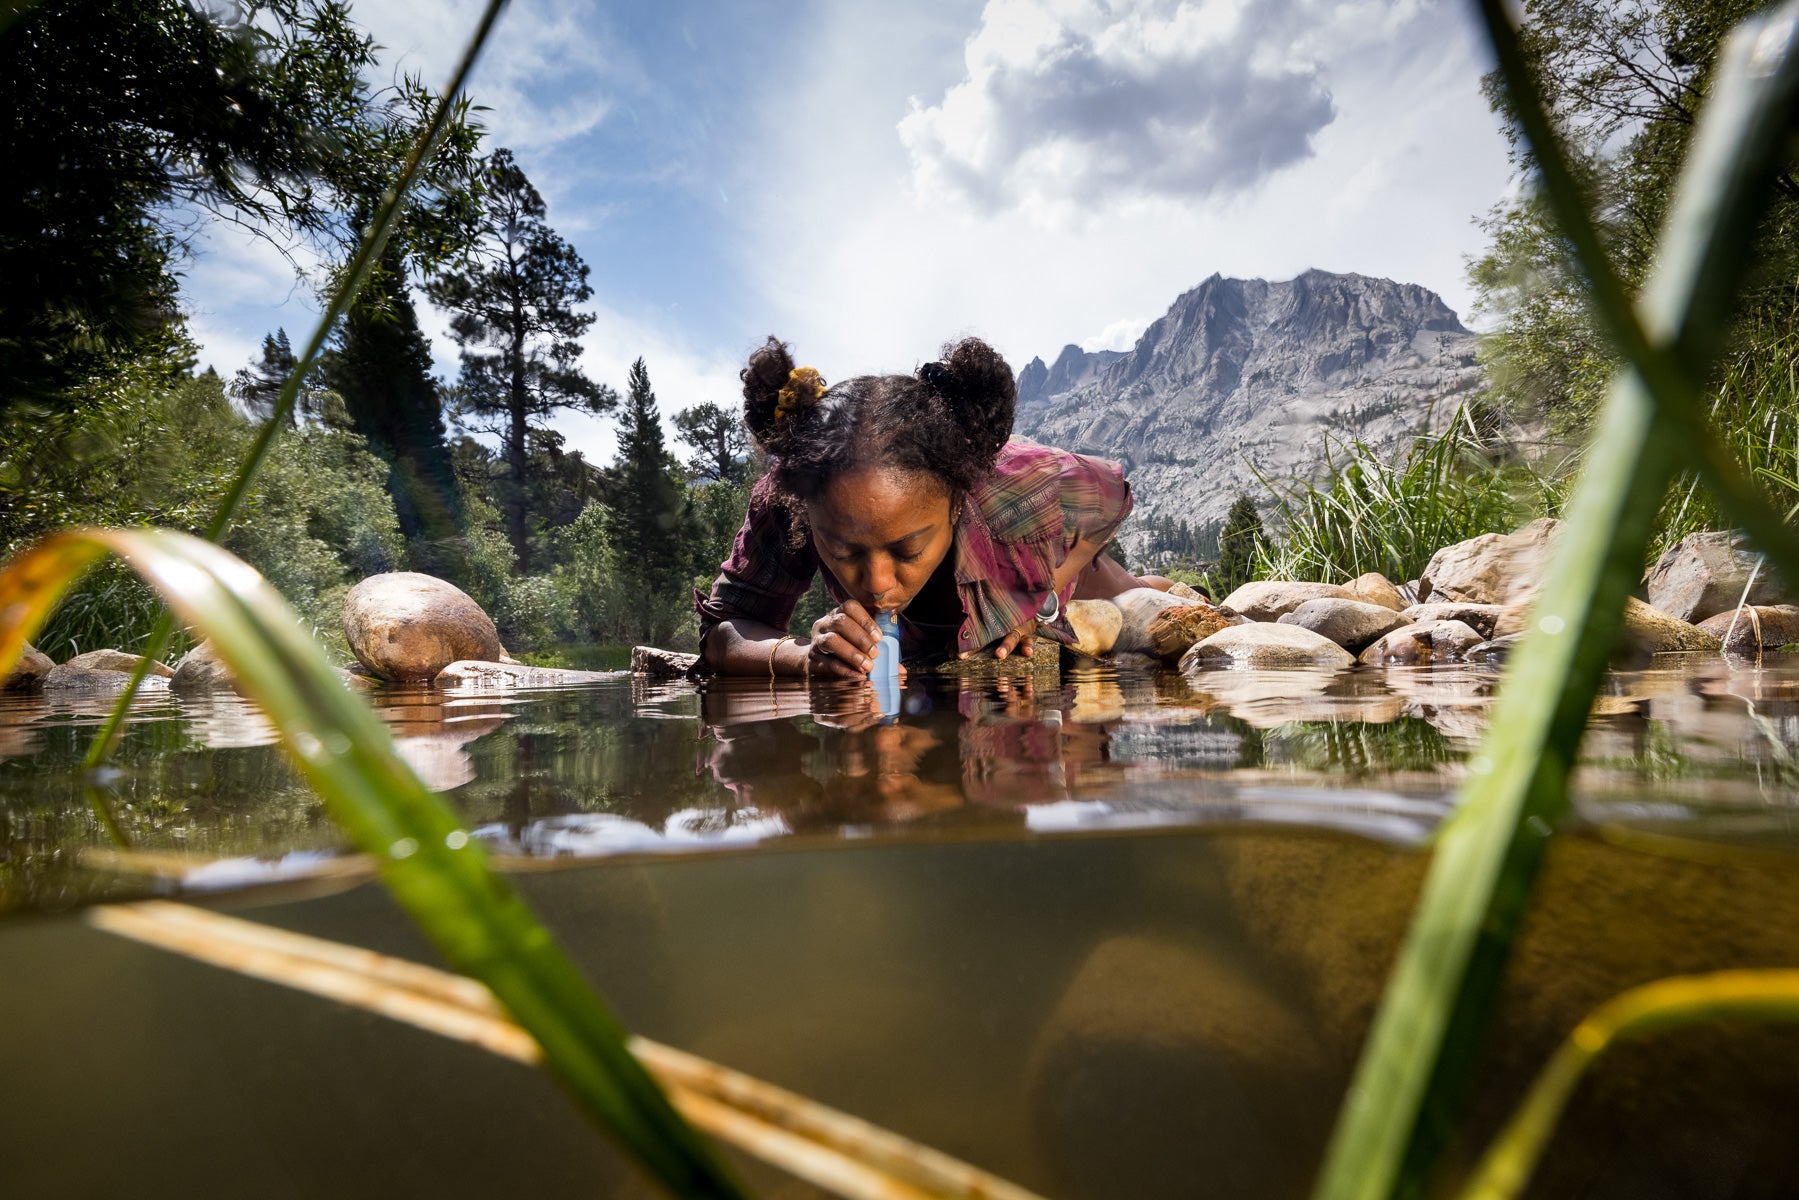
(435, 870)
(1665, 1004)
(1413, 1073)
(368, 253)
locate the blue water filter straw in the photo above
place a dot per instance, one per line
(885, 674)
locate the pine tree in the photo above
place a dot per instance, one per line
(650, 519)
(717, 437)
(381, 366)
(258, 386)
(513, 296)
(1238, 544)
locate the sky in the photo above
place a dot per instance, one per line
(869, 180)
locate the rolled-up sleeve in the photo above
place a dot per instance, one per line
(1096, 498)
(766, 574)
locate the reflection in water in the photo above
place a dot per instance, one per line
(637, 765)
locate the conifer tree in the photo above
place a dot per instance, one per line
(1238, 544)
(258, 386)
(649, 515)
(513, 295)
(716, 435)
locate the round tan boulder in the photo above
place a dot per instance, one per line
(1480, 617)
(1647, 630)
(28, 676)
(1272, 599)
(407, 627)
(202, 670)
(1096, 624)
(1352, 624)
(1422, 644)
(1705, 574)
(1494, 568)
(1265, 645)
(1757, 627)
(1375, 588)
(115, 660)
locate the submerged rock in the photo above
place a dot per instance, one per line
(1352, 624)
(1758, 627)
(1175, 629)
(499, 674)
(1705, 573)
(1095, 624)
(1494, 568)
(116, 660)
(662, 664)
(201, 669)
(407, 627)
(28, 676)
(1480, 617)
(1423, 644)
(1375, 588)
(1271, 599)
(1495, 651)
(1260, 644)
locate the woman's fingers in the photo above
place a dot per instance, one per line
(858, 625)
(1023, 639)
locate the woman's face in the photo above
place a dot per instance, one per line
(882, 532)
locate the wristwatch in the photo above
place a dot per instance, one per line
(1050, 609)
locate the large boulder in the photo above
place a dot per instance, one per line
(1095, 624)
(406, 627)
(515, 675)
(1352, 624)
(29, 675)
(1647, 630)
(657, 663)
(1757, 627)
(1265, 645)
(1423, 644)
(1175, 629)
(1705, 573)
(1272, 599)
(1480, 617)
(1494, 568)
(1137, 608)
(202, 670)
(1375, 588)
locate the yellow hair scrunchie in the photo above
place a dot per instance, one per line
(802, 383)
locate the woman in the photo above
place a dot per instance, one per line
(911, 493)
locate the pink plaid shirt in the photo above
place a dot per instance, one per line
(1017, 527)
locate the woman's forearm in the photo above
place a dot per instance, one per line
(741, 646)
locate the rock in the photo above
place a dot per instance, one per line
(116, 660)
(28, 676)
(1758, 627)
(1175, 629)
(1494, 568)
(1705, 573)
(1263, 645)
(1422, 644)
(1352, 624)
(201, 670)
(1137, 608)
(1271, 599)
(1375, 588)
(500, 674)
(407, 627)
(662, 664)
(1095, 624)
(1495, 651)
(1479, 617)
(69, 677)
(1647, 630)
(1187, 592)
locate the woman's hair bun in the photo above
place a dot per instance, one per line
(978, 388)
(767, 373)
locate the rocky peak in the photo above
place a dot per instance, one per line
(1246, 371)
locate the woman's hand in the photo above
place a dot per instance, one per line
(843, 643)
(1023, 639)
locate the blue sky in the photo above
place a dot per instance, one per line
(867, 180)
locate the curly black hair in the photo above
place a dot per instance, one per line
(948, 421)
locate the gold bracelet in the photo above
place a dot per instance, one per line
(774, 649)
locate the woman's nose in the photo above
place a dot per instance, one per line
(881, 578)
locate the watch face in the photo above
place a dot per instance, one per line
(1051, 608)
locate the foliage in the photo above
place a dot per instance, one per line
(120, 119)
(1239, 545)
(1622, 84)
(513, 294)
(1390, 514)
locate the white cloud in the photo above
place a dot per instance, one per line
(1084, 103)
(1119, 335)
